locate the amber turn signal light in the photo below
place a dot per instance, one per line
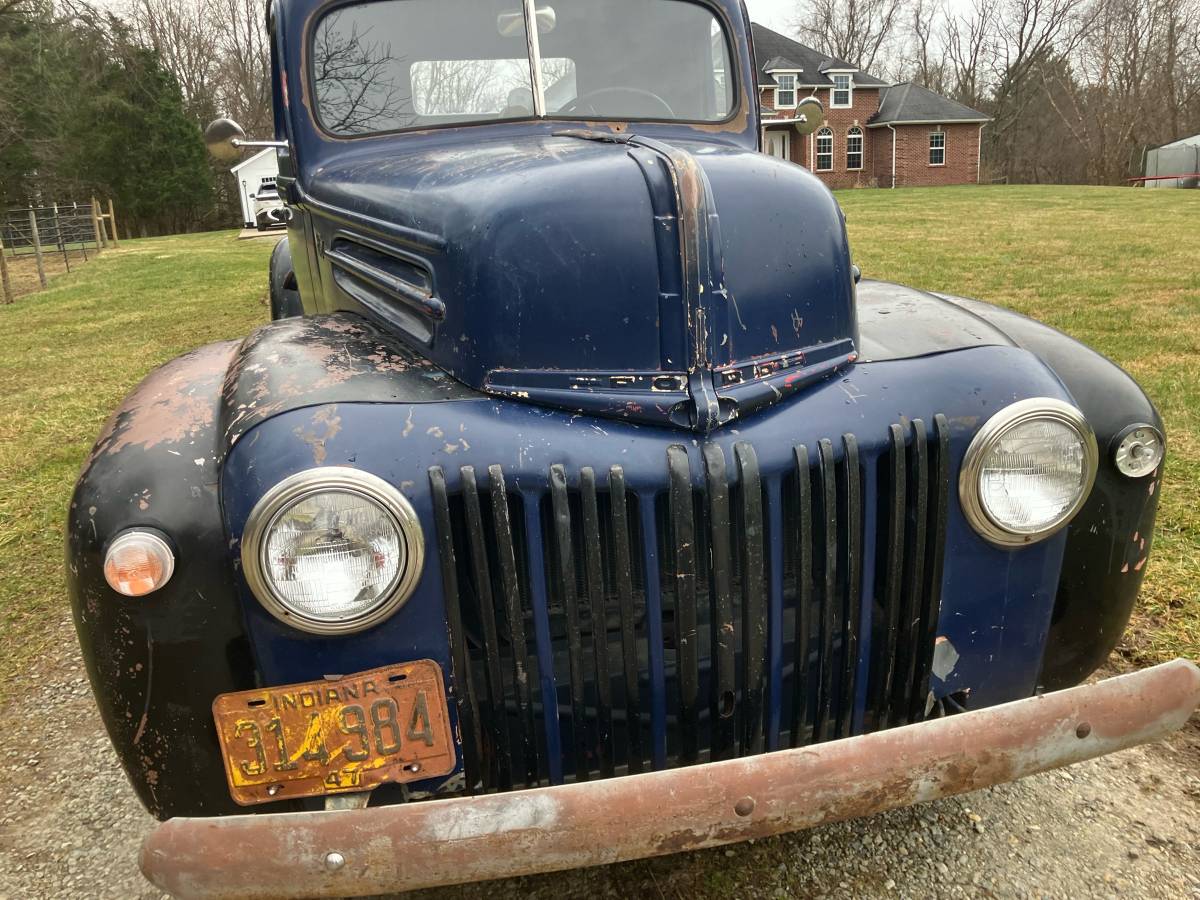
(138, 563)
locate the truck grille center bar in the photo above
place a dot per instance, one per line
(599, 629)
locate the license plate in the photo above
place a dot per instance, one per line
(335, 736)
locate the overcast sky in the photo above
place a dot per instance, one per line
(775, 14)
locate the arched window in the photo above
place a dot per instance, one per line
(825, 150)
(854, 148)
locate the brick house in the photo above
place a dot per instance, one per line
(875, 134)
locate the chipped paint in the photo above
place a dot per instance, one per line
(945, 658)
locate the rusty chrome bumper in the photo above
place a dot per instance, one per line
(382, 849)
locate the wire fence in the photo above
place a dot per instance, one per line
(34, 239)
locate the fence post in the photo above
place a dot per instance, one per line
(4, 285)
(37, 246)
(112, 220)
(100, 240)
(59, 236)
(75, 228)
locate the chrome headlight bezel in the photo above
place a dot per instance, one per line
(295, 488)
(1019, 413)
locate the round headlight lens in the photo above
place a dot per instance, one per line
(332, 550)
(1028, 471)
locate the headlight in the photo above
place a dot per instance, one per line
(332, 550)
(1028, 471)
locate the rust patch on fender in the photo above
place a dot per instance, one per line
(329, 423)
(174, 404)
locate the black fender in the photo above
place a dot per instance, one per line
(157, 662)
(1109, 540)
(285, 293)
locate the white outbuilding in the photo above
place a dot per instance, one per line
(250, 174)
(1178, 158)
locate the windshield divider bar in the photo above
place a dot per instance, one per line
(535, 58)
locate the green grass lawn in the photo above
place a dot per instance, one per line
(1115, 267)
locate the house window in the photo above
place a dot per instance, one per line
(937, 148)
(843, 93)
(854, 148)
(824, 150)
(785, 94)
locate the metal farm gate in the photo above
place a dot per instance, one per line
(58, 232)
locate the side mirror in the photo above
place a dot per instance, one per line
(226, 140)
(810, 115)
(223, 139)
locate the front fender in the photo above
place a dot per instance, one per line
(156, 662)
(1108, 542)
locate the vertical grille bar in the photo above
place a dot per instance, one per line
(804, 562)
(566, 585)
(828, 480)
(851, 535)
(623, 568)
(754, 610)
(683, 529)
(914, 565)
(724, 674)
(934, 549)
(654, 632)
(464, 693)
(497, 715)
(539, 603)
(776, 542)
(594, 587)
(894, 569)
(511, 589)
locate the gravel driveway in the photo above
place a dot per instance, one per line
(1127, 825)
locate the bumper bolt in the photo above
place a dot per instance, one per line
(334, 860)
(744, 807)
(1083, 730)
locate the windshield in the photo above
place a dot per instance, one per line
(399, 64)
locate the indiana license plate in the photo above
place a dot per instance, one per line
(341, 735)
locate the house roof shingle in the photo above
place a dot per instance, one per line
(909, 102)
(771, 47)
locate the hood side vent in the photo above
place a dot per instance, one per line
(393, 286)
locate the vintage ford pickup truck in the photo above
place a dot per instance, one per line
(580, 502)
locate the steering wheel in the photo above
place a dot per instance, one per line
(586, 98)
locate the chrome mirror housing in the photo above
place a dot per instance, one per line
(810, 115)
(226, 140)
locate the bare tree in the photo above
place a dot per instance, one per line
(969, 42)
(245, 70)
(184, 35)
(860, 32)
(924, 61)
(354, 80)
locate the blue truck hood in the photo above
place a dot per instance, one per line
(599, 272)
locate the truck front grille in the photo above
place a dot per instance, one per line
(600, 627)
